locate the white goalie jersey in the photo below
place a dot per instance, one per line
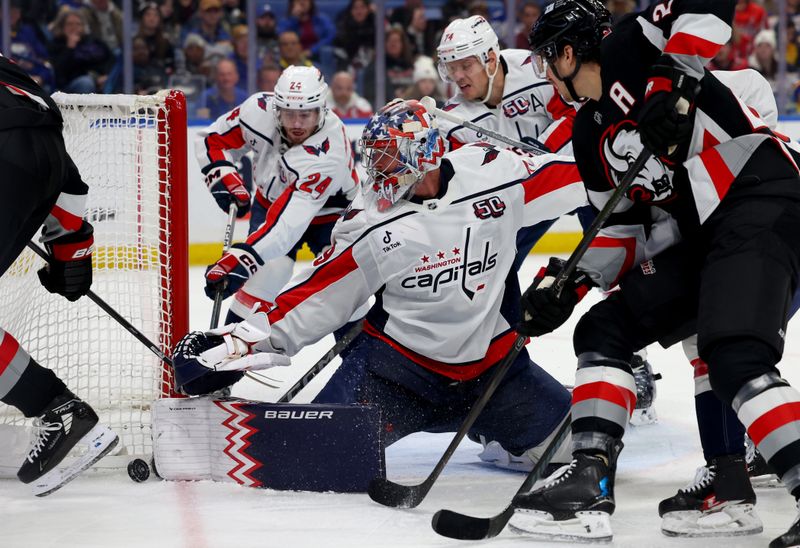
(531, 108)
(300, 185)
(441, 269)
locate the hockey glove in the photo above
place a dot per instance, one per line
(665, 121)
(231, 348)
(69, 270)
(226, 185)
(545, 311)
(232, 270)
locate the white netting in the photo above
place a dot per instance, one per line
(120, 145)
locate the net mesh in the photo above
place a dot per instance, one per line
(120, 145)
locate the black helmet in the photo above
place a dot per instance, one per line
(580, 23)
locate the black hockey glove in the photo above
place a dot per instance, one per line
(69, 272)
(226, 186)
(232, 270)
(543, 310)
(666, 121)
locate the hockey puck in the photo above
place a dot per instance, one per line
(138, 470)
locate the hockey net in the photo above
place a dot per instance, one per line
(131, 151)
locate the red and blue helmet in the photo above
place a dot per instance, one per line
(398, 146)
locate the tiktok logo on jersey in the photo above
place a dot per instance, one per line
(456, 266)
(620, 146)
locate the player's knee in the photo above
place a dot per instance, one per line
(734, 361)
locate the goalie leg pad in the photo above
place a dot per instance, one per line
(277, 446)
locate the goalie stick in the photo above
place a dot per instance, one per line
(387, 492)
(430, 105)
(327, 358)
(226, 245)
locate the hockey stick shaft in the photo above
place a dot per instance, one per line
(113, 313)
(430, 105)
(226, 245)
(482, 527)
(393, 494)
(389, 493)
(462, 527)
(327, 358)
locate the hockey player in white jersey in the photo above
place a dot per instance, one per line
(305, 177)
(428, 237)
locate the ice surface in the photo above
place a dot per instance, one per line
(106, 509)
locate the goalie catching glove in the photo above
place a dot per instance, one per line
(226, 186)
(69, 269)
(232, 270)
(543, 310)
(206, 362)
(665, 121)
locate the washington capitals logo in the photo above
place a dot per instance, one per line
(491, 153)
(449, 106)
(262, 102)
(321, 149)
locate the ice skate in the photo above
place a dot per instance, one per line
(790, 537)
(574, 504)
(719, 502)
(67, 422)
(645, 411)
(760, 472)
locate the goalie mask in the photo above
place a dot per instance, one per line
(300, 102)
(398, 146)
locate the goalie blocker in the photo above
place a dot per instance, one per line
(278, 446)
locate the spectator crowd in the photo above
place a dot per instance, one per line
(202, 46)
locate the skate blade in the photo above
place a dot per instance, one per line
(643, 417)
(731, 521)
(770, 481)
(585, 527)
(99, 441)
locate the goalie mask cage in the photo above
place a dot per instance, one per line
(131, 151)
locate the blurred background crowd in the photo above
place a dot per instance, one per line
(203, 46)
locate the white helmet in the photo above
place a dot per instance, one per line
(301, 88)
(470, 37)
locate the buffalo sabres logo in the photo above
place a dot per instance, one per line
(321, 149)
(620, 147)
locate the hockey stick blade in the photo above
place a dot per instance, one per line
(463, 527)
(388, 493)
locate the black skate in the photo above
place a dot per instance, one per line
(760, 472)
(66, 423)
(645, 412)
(790, 537)
(573, 505)
(720, 502)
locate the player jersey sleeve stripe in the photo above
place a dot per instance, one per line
(273, 216)
(549, 178)
(216, 143)
(687, 44)
(323, 277)
(498, 348)
(623, 251)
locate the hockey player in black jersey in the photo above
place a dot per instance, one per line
(41, 185)
(704, 241)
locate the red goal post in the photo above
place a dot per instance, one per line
(131, 151)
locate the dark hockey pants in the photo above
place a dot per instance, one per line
(35, 167)
(524, 409)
